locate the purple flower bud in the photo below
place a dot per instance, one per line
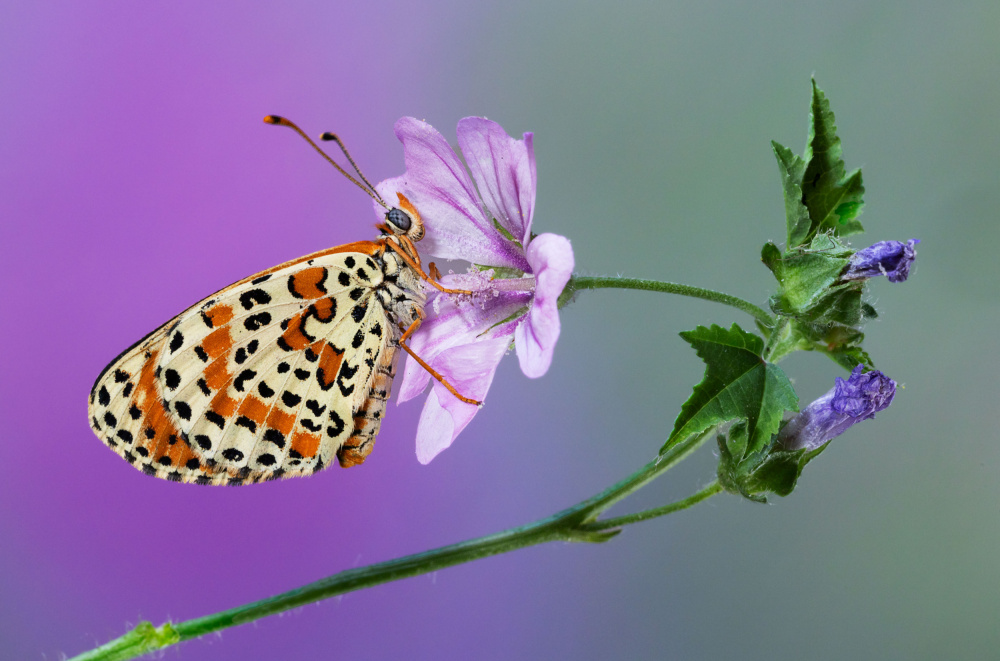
(889, 258)
(859, 398)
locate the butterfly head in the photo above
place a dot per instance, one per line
(404, 220)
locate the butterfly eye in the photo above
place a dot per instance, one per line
(399, 218)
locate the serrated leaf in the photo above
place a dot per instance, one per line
(834, 198)
(738, 385)
(797, 221)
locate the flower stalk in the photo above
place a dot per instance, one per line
(578, 283)
(575, 524)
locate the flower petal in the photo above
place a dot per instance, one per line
(454, 321)
(889, 258)
(440, 188)
(551, 260)
(470, 369)
(503, 168)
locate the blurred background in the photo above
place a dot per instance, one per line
(137, 177)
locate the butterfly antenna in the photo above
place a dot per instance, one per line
(336, 138)
(369, 190)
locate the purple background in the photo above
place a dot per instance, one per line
(137, 177)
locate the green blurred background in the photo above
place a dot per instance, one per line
(652, 125)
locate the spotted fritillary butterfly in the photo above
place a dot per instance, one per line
(277, 374)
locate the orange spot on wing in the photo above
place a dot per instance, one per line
(148, 400)
(323, 309)
(217, 343)
(223, 404)
(294, 336)
(254, 409)
(219, 315)
(217, 375)
(308, 283)
(305, 444)
(280, 421)
(329, 364)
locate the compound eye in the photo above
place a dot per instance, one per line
(399, 218)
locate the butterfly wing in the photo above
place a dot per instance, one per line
(271, 377)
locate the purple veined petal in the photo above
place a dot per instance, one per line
(503, 169)
(551, 259)
(470, 369)
(889, 258)
(454, 321)
(849, 402)
(439, 187)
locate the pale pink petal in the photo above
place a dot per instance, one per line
(457, 320)
(503, 169)
(551, 259)
(439, 187)
(471, 369)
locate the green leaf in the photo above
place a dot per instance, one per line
(774, 471)
(738, 385)
(834, 198)
(797, 221)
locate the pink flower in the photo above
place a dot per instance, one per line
(516, 283)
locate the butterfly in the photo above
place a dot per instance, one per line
(279, 373)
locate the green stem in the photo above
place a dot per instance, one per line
(577, 283)
(576, 524)
(645, 515)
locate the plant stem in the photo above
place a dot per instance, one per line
(577, 283)
(575, 524)
(617, 522)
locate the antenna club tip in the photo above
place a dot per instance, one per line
(328, 136)
(273, 119)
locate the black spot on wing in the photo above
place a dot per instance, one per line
(176, 342)
(246, 422)
(254, 297)
(201, 353)
(337, 428)
(275, 436)
(263, 278)
(232, 454)
(349, 262)
(183, 410)
(121, 376)
(257, 321)
(344, 279)
(310, 425)
(265, 390)
(240, 381)
(358, 312)
(215, 419)
(290, 399)
(172, 379)
(103, 396)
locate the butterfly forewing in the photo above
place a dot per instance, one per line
(273, 376)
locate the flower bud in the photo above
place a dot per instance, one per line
(889, 258)
(858, 398)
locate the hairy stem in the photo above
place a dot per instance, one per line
(576, 524)
(577, 283)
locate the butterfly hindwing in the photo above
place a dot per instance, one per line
(273, 376)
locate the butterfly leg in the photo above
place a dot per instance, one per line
(402, 342)
(433, 271)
